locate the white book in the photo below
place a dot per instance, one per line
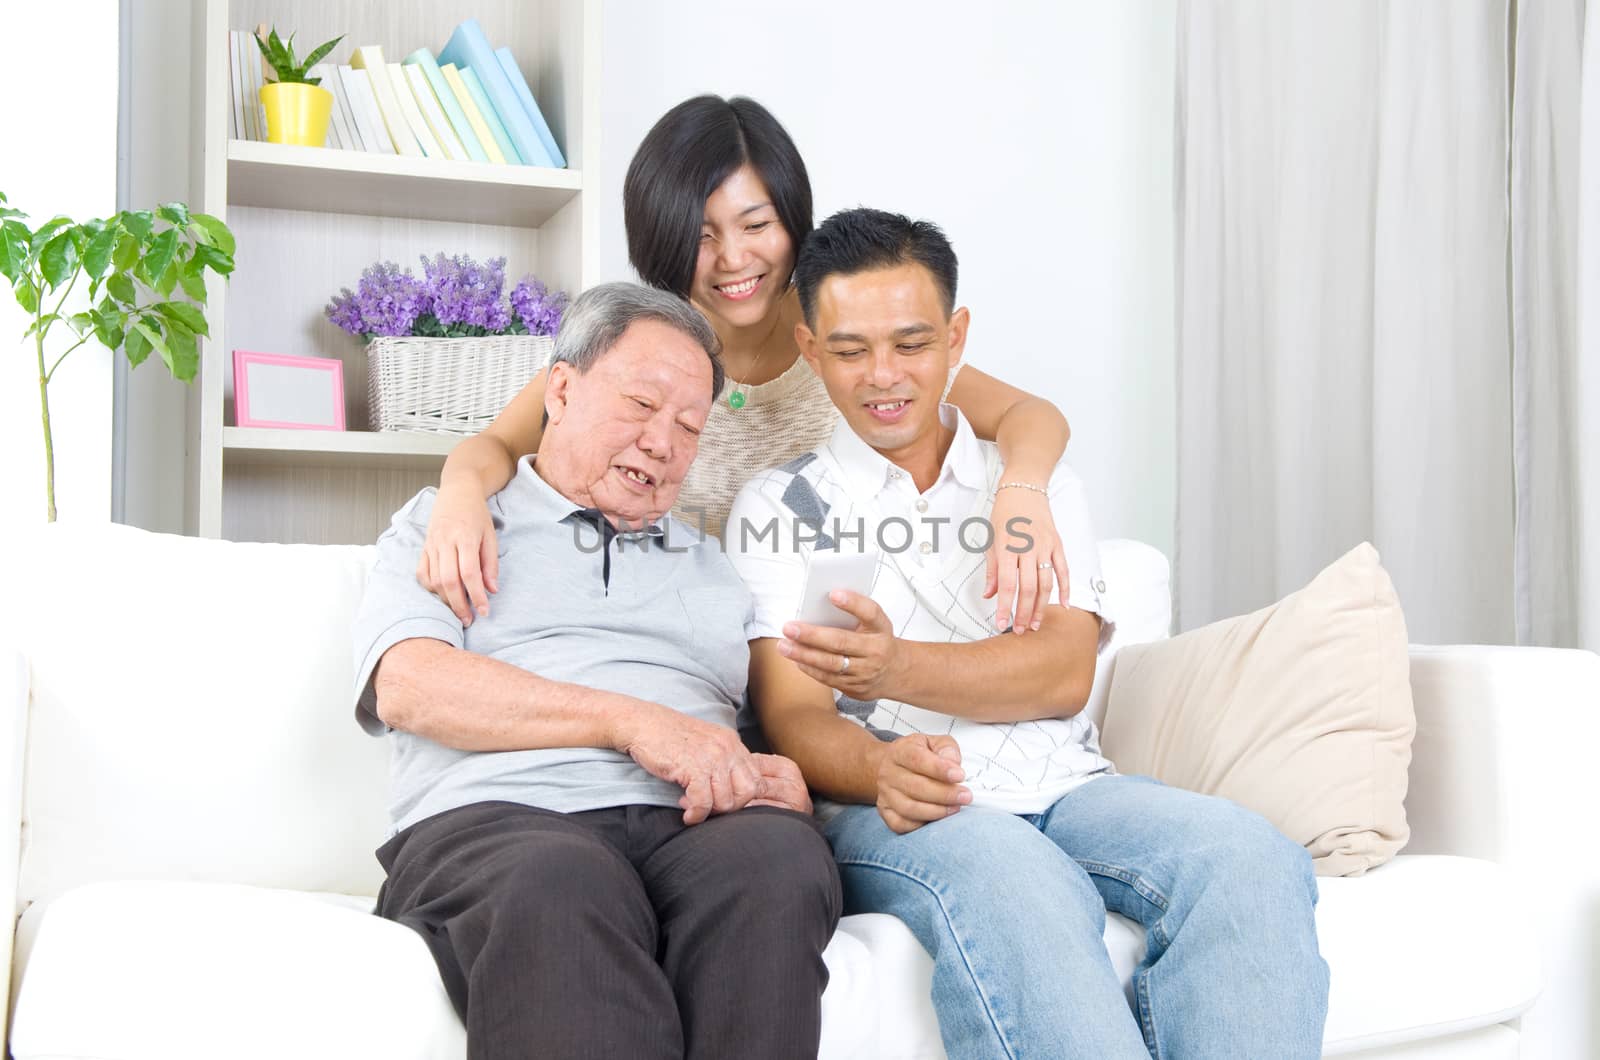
(236, 79)
(341, 106)
(337, 136)
(369, 57)
(413, 116)
(433, 114)
(369, 123)
(248, 130)
(258, 74)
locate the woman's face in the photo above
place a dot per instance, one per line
(746, 254)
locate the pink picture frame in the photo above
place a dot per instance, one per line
(281, 390)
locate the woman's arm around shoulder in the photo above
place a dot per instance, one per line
(460, 557)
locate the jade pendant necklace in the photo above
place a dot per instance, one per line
(736, 398)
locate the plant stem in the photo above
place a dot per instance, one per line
(52, 373)
(70, 285)
(44, 409)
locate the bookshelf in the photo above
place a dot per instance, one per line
(309, 220)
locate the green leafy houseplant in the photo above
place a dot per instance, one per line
(280, 56)
(135, 261)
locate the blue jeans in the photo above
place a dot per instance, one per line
(1012, 909)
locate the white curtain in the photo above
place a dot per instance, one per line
(1356, 269)
(1342, 349)
(1586, 358)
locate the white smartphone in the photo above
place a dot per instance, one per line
(828, 571)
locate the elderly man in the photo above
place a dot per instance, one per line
(597, 864)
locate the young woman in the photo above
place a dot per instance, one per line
(716, 204)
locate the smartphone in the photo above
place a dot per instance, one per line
(828, 571)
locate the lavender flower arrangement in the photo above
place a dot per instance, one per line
(455, 298)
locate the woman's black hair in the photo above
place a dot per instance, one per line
(685, 157)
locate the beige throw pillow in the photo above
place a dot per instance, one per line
(1301, 711)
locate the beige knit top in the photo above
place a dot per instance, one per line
(780, 420)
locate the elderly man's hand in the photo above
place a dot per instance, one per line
(782, 784)
(716, 772)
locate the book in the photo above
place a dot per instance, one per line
(369, 123)
(428, 104)
(369, 57)
(338, 134)
(519, 85)
(341, 104)
(236, 77)
(242, 44)
(491, 117)
(408, 109)
(468, 48)
(258, 80)
(423, 60)
(480, 127)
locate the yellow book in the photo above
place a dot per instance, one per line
(370, 58)
(480, 128)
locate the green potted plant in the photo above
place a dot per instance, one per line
(297, 107)
(135, 260)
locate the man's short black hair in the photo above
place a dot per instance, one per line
(685, 157)
(863, 239)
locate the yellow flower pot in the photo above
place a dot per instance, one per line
(297, 114)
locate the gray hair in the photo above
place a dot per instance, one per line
(597, 318)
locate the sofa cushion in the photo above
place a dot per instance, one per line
(190, 714)
(1300, 711)
(1423, 947)
(149, 970)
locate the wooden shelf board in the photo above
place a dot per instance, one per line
(392, 449)
(287, 177)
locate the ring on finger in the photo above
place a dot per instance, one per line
(844, 664)
(1045, 566)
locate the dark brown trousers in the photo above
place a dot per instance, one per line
(621, 932)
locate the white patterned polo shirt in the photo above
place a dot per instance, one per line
(929, 581)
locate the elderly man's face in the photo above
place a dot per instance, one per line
(624, 434)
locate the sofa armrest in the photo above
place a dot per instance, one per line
(13, 746)
(1504, 767)
(1504, 759)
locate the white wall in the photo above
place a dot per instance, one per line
(59, 128)
(1038, 135)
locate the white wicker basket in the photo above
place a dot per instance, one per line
(449, 386)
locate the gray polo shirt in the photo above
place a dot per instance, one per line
(666, 620)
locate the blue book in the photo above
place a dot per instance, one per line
(468, 47)
(519, 85)
(447, 99)
(469, 77)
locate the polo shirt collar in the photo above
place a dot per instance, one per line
(868, 471)
(542, 501)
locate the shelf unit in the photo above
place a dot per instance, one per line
(309, 220)
(395, 449)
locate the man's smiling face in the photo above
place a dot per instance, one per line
(622, 435)
(883, 345)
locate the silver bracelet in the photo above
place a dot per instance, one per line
(1022, 486)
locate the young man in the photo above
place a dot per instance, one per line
(976, 805)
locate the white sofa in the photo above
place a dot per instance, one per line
(196, 811)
